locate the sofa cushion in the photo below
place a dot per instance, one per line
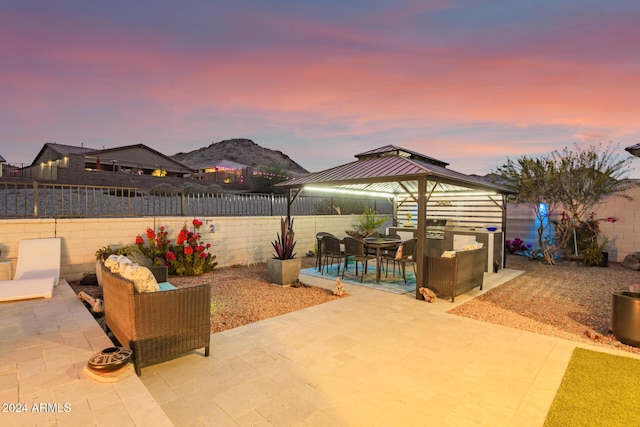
(166, 286)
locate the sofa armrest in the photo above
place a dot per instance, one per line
(454, 276)
(441, 274)
(172, 312)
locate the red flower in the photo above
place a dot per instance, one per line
(188, 250)
(151, 234)
(611, 219)
(196, 222)
(139, 240)
(169, 256)
(208, 245)
(202, 255)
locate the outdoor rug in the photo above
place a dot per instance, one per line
(598, 389)
(393, 284)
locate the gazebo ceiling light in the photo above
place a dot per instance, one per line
(348, 191)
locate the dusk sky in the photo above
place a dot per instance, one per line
(467, 82)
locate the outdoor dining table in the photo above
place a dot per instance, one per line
(380, 243)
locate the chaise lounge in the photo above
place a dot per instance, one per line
(37, 270)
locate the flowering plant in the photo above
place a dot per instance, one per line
(156, 246)
(189, 256)
(516, 245)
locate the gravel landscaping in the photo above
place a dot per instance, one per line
(567, 301)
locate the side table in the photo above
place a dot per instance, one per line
(6, 270)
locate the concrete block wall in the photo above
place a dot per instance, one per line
(239, 240)
(243, 240)
(623, 234)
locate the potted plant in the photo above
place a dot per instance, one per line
(367, 224)
(625, 318)
(189, 256)
(155, 250)
(105, 252)
(284, 267)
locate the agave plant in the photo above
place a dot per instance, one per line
(285, 244)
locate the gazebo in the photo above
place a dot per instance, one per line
(416, 184)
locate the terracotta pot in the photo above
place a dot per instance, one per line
(626, 317)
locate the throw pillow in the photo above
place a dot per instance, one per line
(142, 278)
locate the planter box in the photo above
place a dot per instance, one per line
(283, 272)
(161, 273)
(99, 272)
(626, 317)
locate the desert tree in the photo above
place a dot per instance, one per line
(572, 180)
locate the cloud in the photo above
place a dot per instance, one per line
(455, 80)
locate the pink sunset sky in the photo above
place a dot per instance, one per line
(468, 82)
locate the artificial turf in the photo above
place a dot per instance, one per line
(598, 389)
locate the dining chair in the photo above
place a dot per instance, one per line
(403, 255)
(320, 247)
(354, 250)
(331, 251)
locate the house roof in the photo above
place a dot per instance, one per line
(62, 150)
(2, 159)
(144, 147)
(394, 170)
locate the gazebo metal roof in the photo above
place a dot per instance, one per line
(382, 170)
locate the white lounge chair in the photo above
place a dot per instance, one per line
(37, 270)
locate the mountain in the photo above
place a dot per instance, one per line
(239, 150)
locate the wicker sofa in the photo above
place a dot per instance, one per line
(451, 277)
(156, 326)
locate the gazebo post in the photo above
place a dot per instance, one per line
(422, 231)
(504, 230)
(289, 201)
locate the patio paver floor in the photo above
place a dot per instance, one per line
(372, 358)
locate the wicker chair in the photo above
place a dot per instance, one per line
(320, 242)
(354, 250)
(157, 326)
(403, 255)
(457, 275)
(331, 251)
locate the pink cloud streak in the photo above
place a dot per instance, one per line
(333, 79)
